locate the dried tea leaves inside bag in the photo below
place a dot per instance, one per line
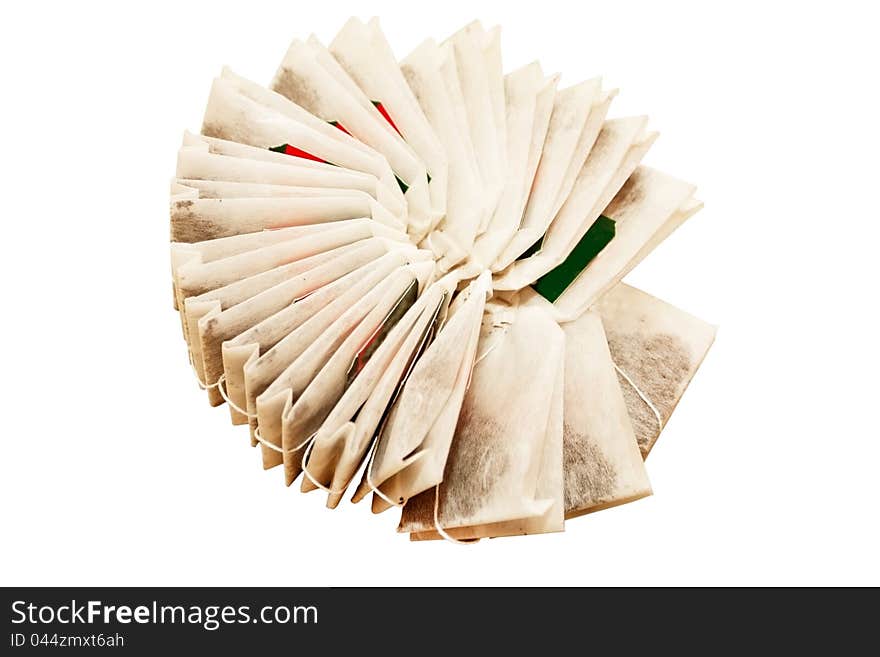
(603, 464)
(658, 349)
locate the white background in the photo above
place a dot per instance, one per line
(115, 471)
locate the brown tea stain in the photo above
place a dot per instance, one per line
(218, 131)
(630, 194)
(477, 460)
(295, 87)
(590, 478)
(658, 365)
(412, 79)
(187, 225)
(212, 355)
(418, 514)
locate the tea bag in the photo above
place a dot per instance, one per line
(578, 114)
(620, 146)
(491, 46)
(207, 158)
(492, 484)
(602, 462)
(341, 443)
(306, 414)
(242, 111)
(214, 189)
(210, 264)
(657, 349)
(363, 52)
(190, 255)
(473, 75)
(550, 485)
(196, 220)
(307, 320)
(523, 90)
(413, 443)
(277, 418)
(310, 77)
(431, 73)
(298, 278)
(649, 206)
(248, 346)
(219, 325)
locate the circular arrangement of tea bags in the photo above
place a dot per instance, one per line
(404, 277)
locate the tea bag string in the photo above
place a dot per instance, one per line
(220, 384)
(305, 459)
(202, 384)
(373, 488)
(642, 396)
(221, 387)
(259, 438)
(443, 533)
(504, 324)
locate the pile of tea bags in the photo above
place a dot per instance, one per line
(405, 278)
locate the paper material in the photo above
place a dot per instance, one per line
(306, 411)
(362, 50)
(603, 464)
(208, 158)
(242, 111)
(476, 91)
(414, 441)
(659, 347)
(522, 90)
(343, 441)
(495, 461)
(432, 74)
(298, 279)
(646, 210)
(196, 220)
(618, 149)
(310, 77)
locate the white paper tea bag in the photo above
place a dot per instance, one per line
(345, 436)
(276, 412)
(578, 116)
(242, 111)
(218, 325)
(196, 220)
(302, 276)
(432, 74)
(215, 263)
(491, 46)
(522, 91)
(646, 210)
(194, 189)
(602, 461)
(208, 158)
(499, 453)
(249, 345)
(292, 363)
(310, 77)
(657, 348)
(413, 443)
(473, 76)
(193, 254)
(307, 413)
(303, 325)
(550, 485)
(363, 52)
(620, 146)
